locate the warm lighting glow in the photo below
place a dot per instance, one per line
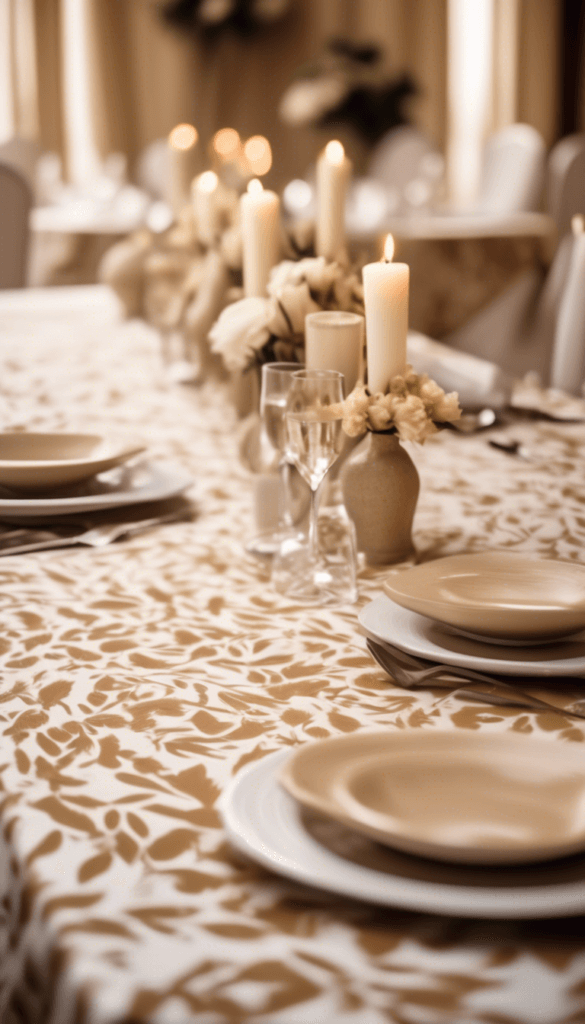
(297, 196)
(578, 224)
(470, 30)
(258, 154)
(389, 248)
(207, 182)
(255, 187)
(226, 142)
(183, 136)
(335, 152)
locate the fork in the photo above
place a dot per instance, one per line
(415, 673)
(98, 536)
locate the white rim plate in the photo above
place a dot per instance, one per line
(125, 485)
(382, 619)
(264, 823)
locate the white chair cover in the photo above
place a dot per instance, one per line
(566, 181)
(152, 169)
(513, 171)
(15, 205)
(568, 355)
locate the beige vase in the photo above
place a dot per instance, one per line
(380, 489)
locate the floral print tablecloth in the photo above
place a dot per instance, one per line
(137, 679)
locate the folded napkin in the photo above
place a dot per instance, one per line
(478, 382)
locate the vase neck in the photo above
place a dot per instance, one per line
(383, 442)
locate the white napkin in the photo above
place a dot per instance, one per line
(478, 382)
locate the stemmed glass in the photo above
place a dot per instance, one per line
(315, 439)
(276, 381)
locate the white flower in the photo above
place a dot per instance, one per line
(240, 331)
(316, 271)
(309, 99)
(290, 309)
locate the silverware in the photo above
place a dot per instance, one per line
(415, 673)
(98, 536)
(512, 447)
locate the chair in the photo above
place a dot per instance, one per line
(565, 187)
(513, 171)
(403, 159)
(22, 154)
(152, 169)
(15, 204)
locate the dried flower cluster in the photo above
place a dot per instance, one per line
(411, 408)
(258, 330)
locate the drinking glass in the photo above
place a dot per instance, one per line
(276, 381)
(305, 570)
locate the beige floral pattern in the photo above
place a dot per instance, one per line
(136, 680)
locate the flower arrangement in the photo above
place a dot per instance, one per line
(260, 330)
(411, 408)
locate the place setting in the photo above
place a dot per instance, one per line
(63, 488)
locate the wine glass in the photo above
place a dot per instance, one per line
(276, 381)
(315, 439)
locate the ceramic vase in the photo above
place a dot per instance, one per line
(380, 486)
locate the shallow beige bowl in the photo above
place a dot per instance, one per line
(38, 462)
(496, 595)
(468, 797)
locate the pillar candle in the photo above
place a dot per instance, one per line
(334, 341)
(386, 307)
(260, 211)
(182, 148)
(204, 195)
(568, 357)
(333, 171)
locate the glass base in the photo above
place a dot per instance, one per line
(269, 542)
(330, 579)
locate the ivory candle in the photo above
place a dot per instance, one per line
(568, 357)
(386, 307)
(204, 195)
(334, 341)
(182, 147)
(333, 171)
(260, 211)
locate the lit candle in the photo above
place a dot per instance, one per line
(386, 306)
(568, 356)
(334, 341)
(260, 210)
(204, 194)
(333, 170)
(182, 165)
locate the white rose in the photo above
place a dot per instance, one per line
(316, 271)
(240, 331)
(290, 310)
(307, 100)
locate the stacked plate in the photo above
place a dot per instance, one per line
(45, 474)
(459, 822)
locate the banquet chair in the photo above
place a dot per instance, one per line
(15, 205)
(513, 171)
(565, 187)
(152, 169)
(402, 156)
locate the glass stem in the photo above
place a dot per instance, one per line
(284, 469)
(313, 536)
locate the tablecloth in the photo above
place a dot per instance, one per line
(136, 680)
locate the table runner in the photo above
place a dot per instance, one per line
(136, 680)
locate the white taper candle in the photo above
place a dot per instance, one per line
(260, 210)
(386, 306)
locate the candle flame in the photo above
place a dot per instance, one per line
(255, 187)
(335, 152)
(389, 248)
(183, 136)
(578, 224)
(207, 182)
(226, 142)
(258, 154)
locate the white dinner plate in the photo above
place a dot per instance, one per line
(125, 485)
(458, 796)
(499, 596)
(33, 462)
(383, 619)
(266, 824)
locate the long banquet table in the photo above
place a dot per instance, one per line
(137, 679)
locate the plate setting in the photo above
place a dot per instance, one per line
(33, 462)
(497, 596)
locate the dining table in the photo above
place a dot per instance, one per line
(138, 679)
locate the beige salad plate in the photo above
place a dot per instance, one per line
(496, 595)
(465, 797)
(37, 461)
